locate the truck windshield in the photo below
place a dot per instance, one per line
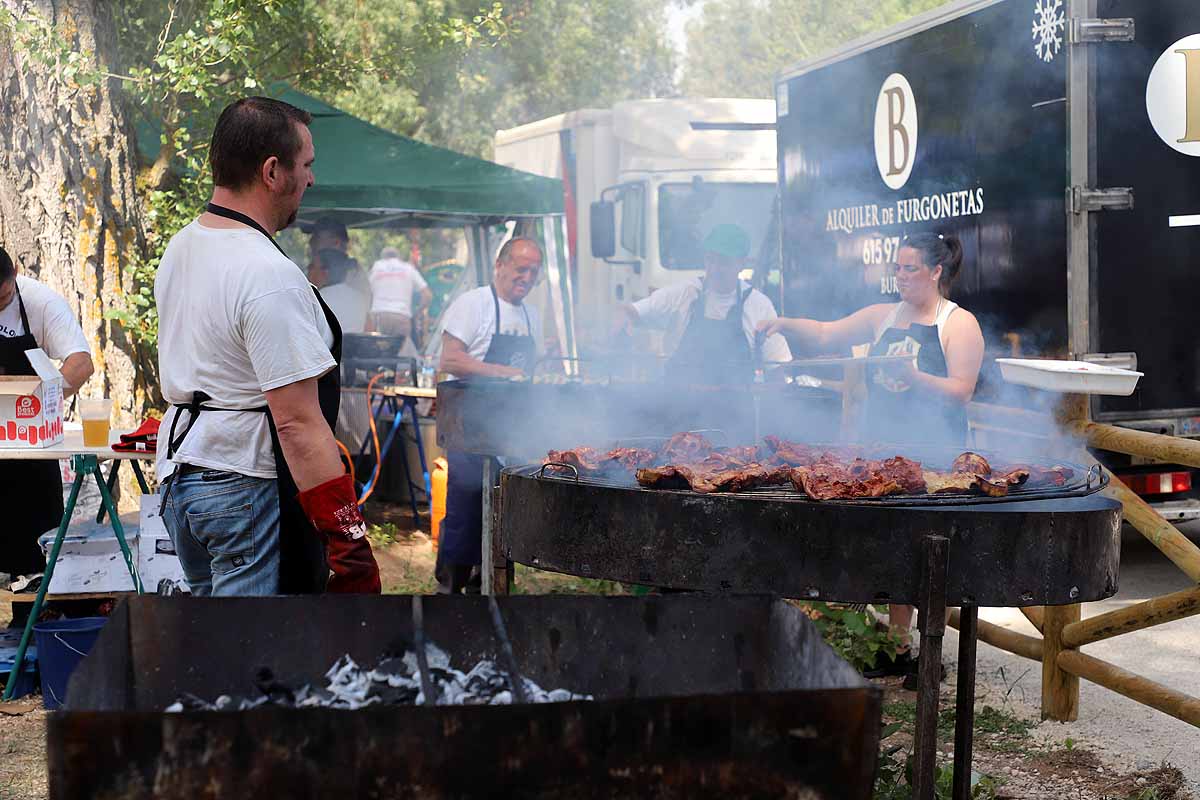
(688, 211)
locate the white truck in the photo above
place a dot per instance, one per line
(644, 182)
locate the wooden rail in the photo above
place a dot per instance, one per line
(1133, 618)
(1063, 630)
(1009, 641)
(1135, 687)
(1168, 449)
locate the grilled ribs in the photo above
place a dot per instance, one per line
(589, 461)
(689, 461)
(706, 481)
(685, 448)
(838, 482)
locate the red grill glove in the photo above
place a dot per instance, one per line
(333, 510)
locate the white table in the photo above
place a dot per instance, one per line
(85, 461)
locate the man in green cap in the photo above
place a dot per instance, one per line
(711, 323)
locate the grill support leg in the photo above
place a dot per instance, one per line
(935, 552)
(964, 714)
(487, 549)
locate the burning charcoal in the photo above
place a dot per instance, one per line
(394, 681)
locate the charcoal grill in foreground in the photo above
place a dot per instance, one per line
(1049, 547)
(695, 696)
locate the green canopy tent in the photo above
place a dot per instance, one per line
(368, 177)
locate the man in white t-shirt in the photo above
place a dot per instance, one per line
(394, 281)
(489, 332)
(711, 323)
(33, 316)
(255, 489)
(349, 303)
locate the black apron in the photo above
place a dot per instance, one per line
(31, 492)
(713, 352)
(462, 529)
(302, 565)
(896, 412)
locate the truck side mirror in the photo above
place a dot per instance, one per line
(603, 221)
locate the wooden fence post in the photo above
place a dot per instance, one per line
(1060, 689)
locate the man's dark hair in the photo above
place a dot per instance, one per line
(248, 132)
(8, 270)
(330, 225)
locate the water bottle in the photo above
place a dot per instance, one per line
(427, 377)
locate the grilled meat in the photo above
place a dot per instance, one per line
(790, 454)
(685, 448)
(972, 462)
(1013, 476)
(585, 459)
(630, 459)
(905, 472)
(965, 483)
(1057, 475)
(589, 461)
(706, 481)
(950, 482)
(831, 482)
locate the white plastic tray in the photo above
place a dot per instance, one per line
(1076, 377)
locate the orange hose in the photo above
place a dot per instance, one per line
(348, 457)
(374, 439)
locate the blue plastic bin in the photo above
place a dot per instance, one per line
(62, 644)
(10, 639)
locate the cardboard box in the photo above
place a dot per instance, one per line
(90, 559)
(31, 406)
(157, 561)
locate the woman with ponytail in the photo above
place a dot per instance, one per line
(921, 402)
(925, 400)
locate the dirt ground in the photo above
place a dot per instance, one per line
(1013, 761)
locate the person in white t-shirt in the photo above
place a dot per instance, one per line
(489, 332)
(256, 499)
(711, 323)
(394, 281)
(349, 303)
(32, 316)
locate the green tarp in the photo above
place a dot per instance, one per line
(362, 168)
(366, 175)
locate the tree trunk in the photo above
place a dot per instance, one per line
(69, 211)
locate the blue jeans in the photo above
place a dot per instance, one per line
(225, 528)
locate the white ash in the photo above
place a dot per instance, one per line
(394, 681)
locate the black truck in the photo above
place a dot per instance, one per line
(1060, 140)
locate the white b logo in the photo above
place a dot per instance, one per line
(1173, 96)
(896, 131)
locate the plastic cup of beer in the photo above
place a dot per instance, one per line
(95, 413)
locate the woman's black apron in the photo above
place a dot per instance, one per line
(713, 352)
(302, 565)
(462, 529)
(895, 412)
(31, 491)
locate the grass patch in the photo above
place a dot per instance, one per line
(1006, 732)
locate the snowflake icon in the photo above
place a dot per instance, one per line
(1048, 24)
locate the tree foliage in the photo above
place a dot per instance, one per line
(737, 47)
(540, 58)
(179, 62)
